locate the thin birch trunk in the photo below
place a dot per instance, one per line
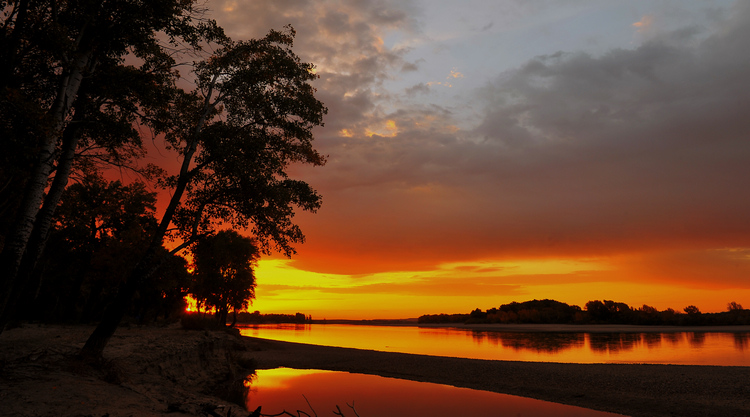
(18, 239)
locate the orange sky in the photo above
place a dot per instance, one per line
(504, 151)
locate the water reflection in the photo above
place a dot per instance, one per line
(686, 348)
(613, 342)
(696, 339)
(673, 338)
(652, 340)
(537, 342)
(741, 341)
(279, 390)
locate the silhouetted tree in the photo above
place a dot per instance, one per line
(223, 276)
(163, 295)
(608, 311)
(58, 61)
(97, 233)
(734, 306)
(250, 116)
(691, 309)
(596, 311)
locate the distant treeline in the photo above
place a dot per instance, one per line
(258, 318)
(594, 312)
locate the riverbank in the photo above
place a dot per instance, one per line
(146, 372)
(635, 390)
(150, 371)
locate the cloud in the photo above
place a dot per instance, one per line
(641, 151)
(644, 24)
(410, 67)
(431, 286)
(636, 149)
(420, 88)
(459, 287)
(455, 74)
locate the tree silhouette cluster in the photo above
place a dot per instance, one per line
(223, 277)
(96, 237)
(594, 312)
(81, 84)
(257, 318)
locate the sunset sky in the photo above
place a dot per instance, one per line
(483, 152)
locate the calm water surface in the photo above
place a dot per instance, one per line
(688, 348)
(282, 389)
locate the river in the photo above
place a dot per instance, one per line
(686, 348)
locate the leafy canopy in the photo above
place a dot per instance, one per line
(223, 275)
(250, 117)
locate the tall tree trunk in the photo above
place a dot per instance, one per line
(16, 244)
(43, 222)
(26, 278)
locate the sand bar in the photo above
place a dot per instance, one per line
(635, 390)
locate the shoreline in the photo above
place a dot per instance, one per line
(628, 389)
(146, 371)
(153, 370)
(591, 328)
(529, 328)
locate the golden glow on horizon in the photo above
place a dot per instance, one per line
(530, 267)
(462, 287)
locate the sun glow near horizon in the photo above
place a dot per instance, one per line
(464, 286)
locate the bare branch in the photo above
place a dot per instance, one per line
(352, 407)
(309, 405)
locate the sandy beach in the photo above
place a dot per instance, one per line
(150, 371)
(146, 372)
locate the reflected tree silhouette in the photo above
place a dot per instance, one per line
(652, 340)
(673, 338)
(613, 342)
(536, 342)
(741, 341)
(696, 339)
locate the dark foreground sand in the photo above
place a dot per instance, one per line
(157, 371)
(635, 390)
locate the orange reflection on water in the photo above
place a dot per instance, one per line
(688, 348)
(276, 390)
